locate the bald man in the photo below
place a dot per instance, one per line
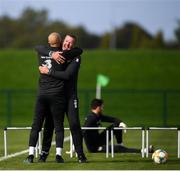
(50, 102)
(54, 39)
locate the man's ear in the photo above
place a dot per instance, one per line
(98, 108)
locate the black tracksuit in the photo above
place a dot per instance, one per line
(95, 138)
(51, 99)
(70, 75)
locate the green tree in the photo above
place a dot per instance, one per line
(159, 40)
(33, 27)
(7, 34)
(105, 41)
(132, 35)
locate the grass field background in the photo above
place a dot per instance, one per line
(139, 80)
(17, 141)
(137, 69)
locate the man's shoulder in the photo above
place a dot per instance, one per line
(76, 60)
(91, 116)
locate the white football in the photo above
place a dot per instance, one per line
(160, 156)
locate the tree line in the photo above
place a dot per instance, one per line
(33, 27)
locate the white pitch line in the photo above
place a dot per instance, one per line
(14, 155)
(26, 151)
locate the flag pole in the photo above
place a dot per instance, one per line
(98, 91)
(102, 81)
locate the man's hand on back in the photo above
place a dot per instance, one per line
(57, 56)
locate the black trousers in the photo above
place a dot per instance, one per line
(94, 139)
(102, 136)
(72, 112)
(118, 148)
(49, 106)
(93, 143)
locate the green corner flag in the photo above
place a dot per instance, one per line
(102, 80)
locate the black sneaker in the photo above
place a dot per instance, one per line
(43, 156)
(82, 158)
(59, 159)
(29, 159)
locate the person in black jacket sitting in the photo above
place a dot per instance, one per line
(96, 140)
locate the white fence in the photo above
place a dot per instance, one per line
(150, 129)
(144, 139)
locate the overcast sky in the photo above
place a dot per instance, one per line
(99, 16)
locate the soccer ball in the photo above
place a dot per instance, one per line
(160, 156)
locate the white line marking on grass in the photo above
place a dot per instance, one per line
(26, 151)
(14, 155)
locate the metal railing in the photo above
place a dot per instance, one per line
(144, 139)
(163, 104)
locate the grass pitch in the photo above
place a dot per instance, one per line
(18, 141)
(127, 69)
(96, 162)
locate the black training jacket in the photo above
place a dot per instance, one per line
(70, 75)
(47, 83)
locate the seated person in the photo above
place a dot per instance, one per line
(96, 140)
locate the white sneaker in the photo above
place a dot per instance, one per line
(100, 148)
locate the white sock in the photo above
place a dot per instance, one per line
(31, 150)
(145, 150)
(58, 151)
